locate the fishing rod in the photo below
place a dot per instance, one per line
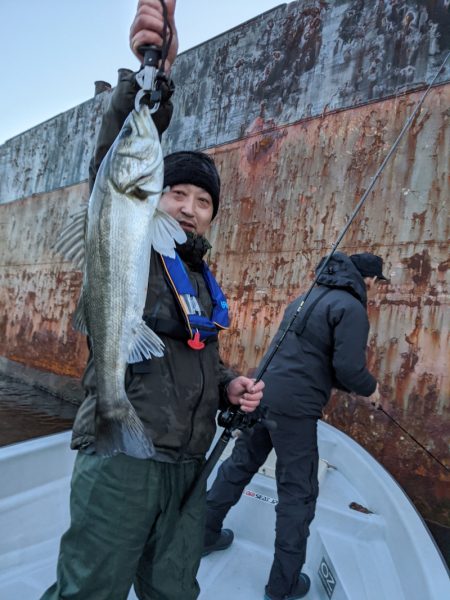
(233, 418)
(338, 241)
(351, 219)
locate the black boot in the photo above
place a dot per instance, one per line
(300, 590)
(220, 542)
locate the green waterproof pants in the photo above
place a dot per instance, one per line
(126, 529)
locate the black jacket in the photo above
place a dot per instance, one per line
(327, 351)
(176, 396)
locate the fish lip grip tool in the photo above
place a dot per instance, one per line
(147, 78)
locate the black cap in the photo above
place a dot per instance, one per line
(369, 265)
(196, 168)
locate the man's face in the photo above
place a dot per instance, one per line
(371, 286)
(190, 205)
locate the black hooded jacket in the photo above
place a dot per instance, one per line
(326, 351)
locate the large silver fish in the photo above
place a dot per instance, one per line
(123, 223)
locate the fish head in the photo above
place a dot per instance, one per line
(135, 161)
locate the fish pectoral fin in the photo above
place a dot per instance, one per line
(79, 316)
(145, 344)
(70, 242)
(126, 435)
(165, 231)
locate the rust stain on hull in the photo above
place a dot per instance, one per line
(38, 288)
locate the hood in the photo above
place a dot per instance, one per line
(341, 273)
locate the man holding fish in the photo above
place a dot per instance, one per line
(152, 311)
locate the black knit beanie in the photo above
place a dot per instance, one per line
(195, 168)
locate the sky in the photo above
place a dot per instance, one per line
(52, 51)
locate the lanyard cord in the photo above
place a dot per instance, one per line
(166, 40)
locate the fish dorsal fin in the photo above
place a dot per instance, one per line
(70, 242)
(79, 316)
(145, 344)
(165, 231)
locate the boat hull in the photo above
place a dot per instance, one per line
(378, 555)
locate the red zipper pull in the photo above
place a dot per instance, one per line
(195, 343)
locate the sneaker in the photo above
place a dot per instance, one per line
(223, 542)
(301, 589)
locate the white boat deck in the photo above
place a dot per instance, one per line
(384, 555)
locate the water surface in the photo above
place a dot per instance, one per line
(28, 411)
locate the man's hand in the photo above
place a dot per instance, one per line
(147, 28)
(375, 399)
(245, 393)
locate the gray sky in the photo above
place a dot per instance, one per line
(52, 51)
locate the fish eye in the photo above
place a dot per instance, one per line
(140, 194)
(126, 131)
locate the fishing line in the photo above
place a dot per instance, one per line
(414, 439)
(165, 42)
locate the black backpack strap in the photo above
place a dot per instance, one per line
(309, 310)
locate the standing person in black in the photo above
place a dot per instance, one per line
(325, 348)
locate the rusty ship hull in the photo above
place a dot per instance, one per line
(298, 106)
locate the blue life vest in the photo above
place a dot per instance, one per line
(196, 320)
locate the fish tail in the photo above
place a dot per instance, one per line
(123, 436)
